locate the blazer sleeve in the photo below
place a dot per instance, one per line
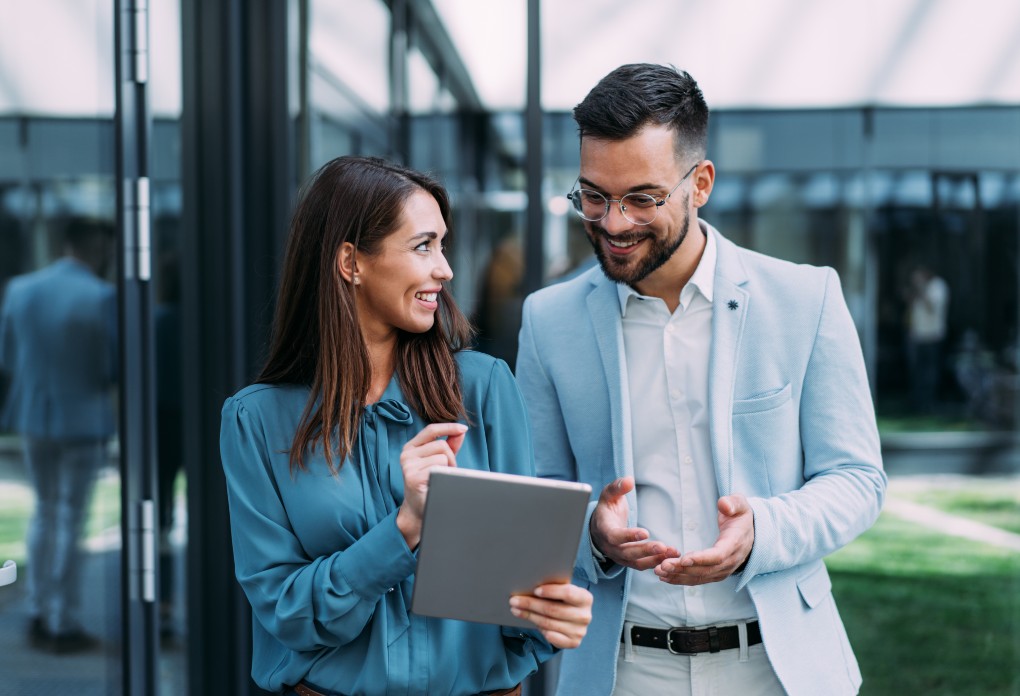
(304, 602)
(554, 457)
(844, 481)
(6, 332)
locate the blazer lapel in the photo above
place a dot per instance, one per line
(604, 308)
(731, 303)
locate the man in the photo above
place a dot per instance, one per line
(57, 345)
(928, 301)
(718, 399)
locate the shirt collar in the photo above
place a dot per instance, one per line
(702, 280)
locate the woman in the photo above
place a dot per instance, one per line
(327, 455)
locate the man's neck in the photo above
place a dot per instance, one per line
(667, 281)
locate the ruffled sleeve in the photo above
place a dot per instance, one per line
(304, 602)
(505, 420)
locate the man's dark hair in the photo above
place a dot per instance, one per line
(638, 94)
(81, 231)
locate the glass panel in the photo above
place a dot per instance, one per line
(348, 80)
(165, 88)
(59, 466)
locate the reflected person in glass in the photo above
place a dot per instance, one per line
(367, 387)
(718, 399)
(58, 346)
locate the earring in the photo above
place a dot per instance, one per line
(357, 281)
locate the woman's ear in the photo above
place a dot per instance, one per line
(347, 263)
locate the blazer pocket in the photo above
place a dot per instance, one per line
(763, 403)
(815, 586)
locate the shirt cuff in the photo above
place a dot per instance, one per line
(600, 558)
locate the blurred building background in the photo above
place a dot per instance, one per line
(869, 136)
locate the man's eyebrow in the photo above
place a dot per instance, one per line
(641, 187)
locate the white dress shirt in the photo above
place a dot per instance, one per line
(666, 364)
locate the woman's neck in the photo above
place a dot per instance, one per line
(383, 358)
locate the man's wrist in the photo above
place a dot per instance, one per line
(604, 561)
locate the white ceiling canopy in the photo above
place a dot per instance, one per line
(769, 54)
(56, 58)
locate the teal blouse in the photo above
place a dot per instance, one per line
(321, 560)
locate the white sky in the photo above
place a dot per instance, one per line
(752, 53)
(56, 56)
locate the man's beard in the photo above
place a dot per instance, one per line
(625, 270)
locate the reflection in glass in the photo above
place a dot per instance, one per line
(59, 463)
(57, 344)
(59, 488)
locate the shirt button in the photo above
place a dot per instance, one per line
(692, 525)
(675, 395)
(693, 591)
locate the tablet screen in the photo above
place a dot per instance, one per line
(487, 536)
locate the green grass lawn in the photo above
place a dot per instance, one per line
(930, 614)
(17, 501)
(15, 507)
(990, 501)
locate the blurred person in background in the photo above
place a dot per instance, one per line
(367, 387)
(927, 309)
(169, 424)
(718, 399)
(58, 348)
(498, 315)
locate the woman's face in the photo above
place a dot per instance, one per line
(398, 286)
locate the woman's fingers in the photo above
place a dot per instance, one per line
(427, 442)
(434, 431)
(412, 455)
(561, 611)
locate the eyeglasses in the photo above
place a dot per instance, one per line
(638, 208)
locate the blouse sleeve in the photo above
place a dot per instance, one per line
(304, 602)
(505, 421)
(508, 436)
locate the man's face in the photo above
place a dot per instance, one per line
(643, 163)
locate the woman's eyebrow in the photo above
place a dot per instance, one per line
(430, 235)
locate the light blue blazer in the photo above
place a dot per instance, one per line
(792, 428)
(58, 344)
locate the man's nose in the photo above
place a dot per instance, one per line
(614, 221)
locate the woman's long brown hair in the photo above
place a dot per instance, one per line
(317, 340)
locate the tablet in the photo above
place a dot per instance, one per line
(487, 536)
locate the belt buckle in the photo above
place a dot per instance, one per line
(669, 641)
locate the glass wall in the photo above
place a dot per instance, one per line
(60, 481)
(420, 121)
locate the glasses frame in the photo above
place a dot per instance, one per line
(574, 198)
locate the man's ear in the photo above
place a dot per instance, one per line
(704, 180)
(347, 262)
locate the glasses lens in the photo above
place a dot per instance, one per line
(591, 205)
(639, 208)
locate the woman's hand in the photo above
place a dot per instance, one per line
(560, 610)
(421, 453)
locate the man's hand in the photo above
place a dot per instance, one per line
(731, 549)
(560, 610)
(626, 546)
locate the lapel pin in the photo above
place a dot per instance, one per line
(732, 304)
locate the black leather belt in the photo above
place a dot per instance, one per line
(305, 690)
(690, 641)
